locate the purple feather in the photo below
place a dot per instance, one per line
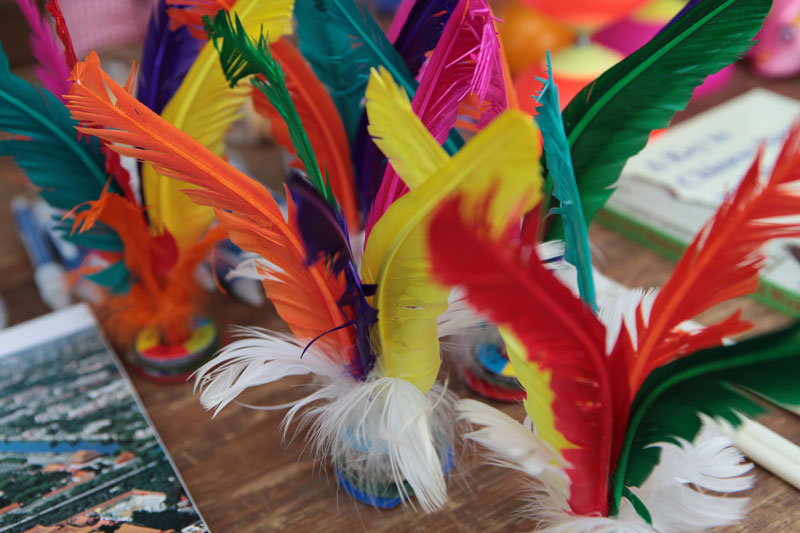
(52, 70)
(166, 59)
(421, 31)
(324, 234)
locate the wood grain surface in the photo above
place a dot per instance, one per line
(244, 478)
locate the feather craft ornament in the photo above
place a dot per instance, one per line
(396, 410)
(617, 401)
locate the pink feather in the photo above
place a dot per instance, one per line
(399, 19)
(466, 61)
(52, 70)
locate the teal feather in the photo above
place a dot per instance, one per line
(565, 189)
(116, 278)
(342, 42)
(68, 171)
(712, 382)
(611, 119)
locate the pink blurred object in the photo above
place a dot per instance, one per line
(102, 24)
(630, 34)
(777, 54)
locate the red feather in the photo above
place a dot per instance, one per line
(560, 333)
(321, 121)
(722, 263)
(63, 33)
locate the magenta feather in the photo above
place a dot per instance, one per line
(52, 70)
(467, 60)
(399, 19)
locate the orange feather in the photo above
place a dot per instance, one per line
(192, 15)
(722, 263)
(321, 121)
(244, 207)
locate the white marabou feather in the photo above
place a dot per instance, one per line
(376, 431)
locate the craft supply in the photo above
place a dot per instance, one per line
(48, 274)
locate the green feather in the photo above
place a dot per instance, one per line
(611, 119)
(559, 161)
(712, 382)
(68, 171)
(342, 42)
(241, 58)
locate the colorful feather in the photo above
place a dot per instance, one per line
(63, 33)
(205, 107)
(466, 61)
(565, 190)
(242, 58)
(715, 382)
(52, 70)
(396, 257)
(554, 341)
(722, 262)
(166, 59)
(305, 297)
(611, 119)
(73, 170)
(321, 121)
(190, 13)
(342, 42)
(417, 27)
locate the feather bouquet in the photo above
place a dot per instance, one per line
(616, 402)
(607, 123)
(364, 327)
(151, 236)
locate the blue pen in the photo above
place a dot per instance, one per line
(48, 273)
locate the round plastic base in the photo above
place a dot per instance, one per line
(173, 363)
(393, 499)
(490, 390)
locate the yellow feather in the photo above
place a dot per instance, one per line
(205, 107)
(539, 403)
(388, 108)
(500, 166)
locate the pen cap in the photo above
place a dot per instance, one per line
(49, 278)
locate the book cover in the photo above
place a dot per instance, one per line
(672, 187)
(77, 451)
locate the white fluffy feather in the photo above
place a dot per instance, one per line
(378, 431)
(674, 494)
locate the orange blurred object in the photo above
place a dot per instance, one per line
(527, 34)
(586, 13)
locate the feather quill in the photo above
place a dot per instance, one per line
(554, 341)
(321, 121)
(204, 106)
(396, 258)
(722, 262)
(63, 33)
(565, 190)
(466, 61)
(305, 297)
(166, 59)
(52, 70)
(602, 129)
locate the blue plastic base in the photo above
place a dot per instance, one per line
(378, 501)
(363, 497)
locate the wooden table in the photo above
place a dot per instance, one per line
(245, 480)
